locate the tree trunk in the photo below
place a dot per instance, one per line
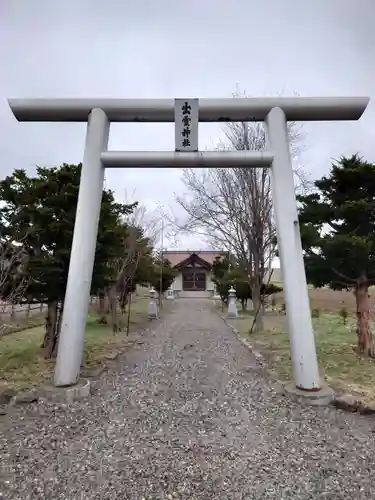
(112, 301)
(50, 336)
(58, 329)
(124, 295)
(263, 304)
(102, 308)
(45, 336)
(101, 305)
(365, 346)
(257, 307)
(243, 305)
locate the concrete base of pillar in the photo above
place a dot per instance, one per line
(67, 394)
(323, 397)
(232, 310)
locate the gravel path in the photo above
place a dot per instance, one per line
(186, 415)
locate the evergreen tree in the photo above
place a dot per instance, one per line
(338, 236)
(162, 274)
(227, 273)
(38, 212)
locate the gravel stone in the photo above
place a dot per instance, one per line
(188, 414)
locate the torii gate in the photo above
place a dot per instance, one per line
(275, 112)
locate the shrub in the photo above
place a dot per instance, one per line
(315, 313)
(344, 314)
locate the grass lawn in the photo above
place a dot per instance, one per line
(339, 365)
(21, 363)
(23, 323)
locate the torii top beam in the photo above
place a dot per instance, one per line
(249, 109)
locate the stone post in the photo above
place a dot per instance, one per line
(232, 307)
(152, 306)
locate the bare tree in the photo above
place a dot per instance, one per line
(142, 231)
(13, 281)
(231, 208)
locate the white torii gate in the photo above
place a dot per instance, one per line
(275, 112)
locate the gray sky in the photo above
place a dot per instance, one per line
(169, 48)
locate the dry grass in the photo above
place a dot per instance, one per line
(10, 326)
(21, 363)
(339, 365)
(330, 301)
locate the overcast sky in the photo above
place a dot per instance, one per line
(170, 48)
